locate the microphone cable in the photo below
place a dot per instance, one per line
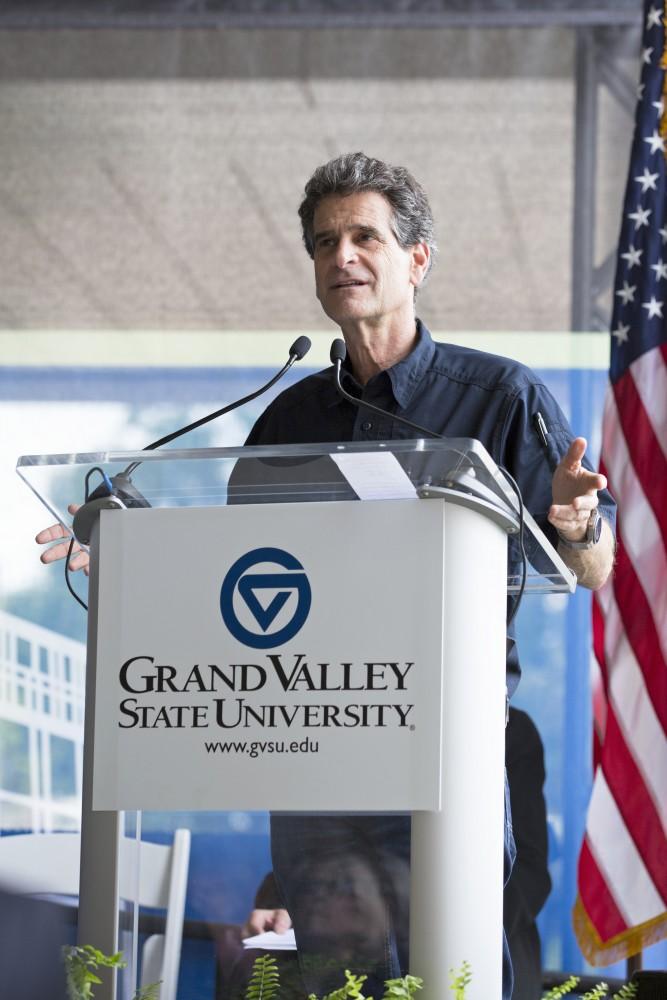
(337, 354)
(107, 482)
(297, 351)
(121, 485)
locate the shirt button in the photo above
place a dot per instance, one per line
(367, 425)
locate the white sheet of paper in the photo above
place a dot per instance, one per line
(272, 941)
(376, 476)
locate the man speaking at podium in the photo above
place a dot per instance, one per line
(369, 229)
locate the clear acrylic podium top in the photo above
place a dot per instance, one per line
(459, 470)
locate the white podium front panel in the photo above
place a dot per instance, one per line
(270, 657)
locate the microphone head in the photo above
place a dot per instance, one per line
(299, 348)
(338, 351)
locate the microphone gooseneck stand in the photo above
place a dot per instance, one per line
(120, 492)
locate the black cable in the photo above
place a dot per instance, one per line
(298, 350)
(337, 357)
(121, 484)
(95, 468)
(67, 579)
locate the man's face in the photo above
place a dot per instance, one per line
(361, 272)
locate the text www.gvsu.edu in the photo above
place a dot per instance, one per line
(257, 747)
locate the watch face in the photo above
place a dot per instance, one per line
(594, 527)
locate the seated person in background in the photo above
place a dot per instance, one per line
(344, 904)
(529, 884)
(343, 900)
(269, 913)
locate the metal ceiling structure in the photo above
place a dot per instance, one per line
(606, 32)
(317, 13)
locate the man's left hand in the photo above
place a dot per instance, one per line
(574, 492)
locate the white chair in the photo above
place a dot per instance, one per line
(48, 864)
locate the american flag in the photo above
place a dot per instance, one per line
(622, 876)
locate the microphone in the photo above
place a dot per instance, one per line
(462, 479)
(337, 355)
(121, 486)
(297, 351)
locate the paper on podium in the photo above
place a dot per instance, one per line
(376, 476)
(272, 941)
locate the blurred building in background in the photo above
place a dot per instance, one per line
(42, 678)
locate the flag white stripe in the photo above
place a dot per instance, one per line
(633, 708)
(641, 727)
(650, 377)
(641, 532)
(618, 859)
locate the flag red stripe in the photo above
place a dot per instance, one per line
(597, 749)
(644, 448)
(598, 646)
(596, 898)
(640, 629)
(598, 642)
(634, 803)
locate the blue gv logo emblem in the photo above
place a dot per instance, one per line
(251, 603)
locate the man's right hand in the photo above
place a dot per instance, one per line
(80, 558)
(260, 921)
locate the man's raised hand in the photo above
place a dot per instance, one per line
(574, 491)
(575, 495)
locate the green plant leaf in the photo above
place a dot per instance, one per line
(458, 982)
(402, 989)
(264, 980)
(80, 963)
(560, 991)
(351, 990)
(149, 992)
(597, 993)
(627, 992)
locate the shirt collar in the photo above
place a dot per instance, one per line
(405, 376)
(408, 373)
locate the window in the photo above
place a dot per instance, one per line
(67, 669)
(20, 694)
(14, 757)
(40, 762)
(43, 660)
(63, 768)
(23, 652)
(61, 822)
(15, 817)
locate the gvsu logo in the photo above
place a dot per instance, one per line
(253, 602)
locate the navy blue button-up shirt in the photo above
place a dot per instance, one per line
(454, 391)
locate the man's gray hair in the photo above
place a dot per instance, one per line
(349, 173)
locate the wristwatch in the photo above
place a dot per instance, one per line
(592, 536)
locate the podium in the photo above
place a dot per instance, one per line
(306, 628)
